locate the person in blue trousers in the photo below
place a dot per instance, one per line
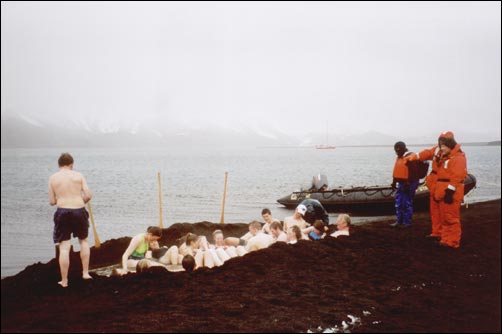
(405, 180)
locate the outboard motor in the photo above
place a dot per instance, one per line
(319, 182)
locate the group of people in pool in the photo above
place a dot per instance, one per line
(195, 251)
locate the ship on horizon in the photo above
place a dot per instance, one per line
(325, 146)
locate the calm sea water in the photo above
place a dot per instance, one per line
(125, 187)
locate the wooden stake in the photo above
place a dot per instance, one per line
(222, 219)
(160, 202)
(97, 243)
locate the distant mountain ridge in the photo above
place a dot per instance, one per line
(24, 132)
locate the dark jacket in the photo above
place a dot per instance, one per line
(315, 211)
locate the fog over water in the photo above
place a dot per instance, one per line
(405, 69)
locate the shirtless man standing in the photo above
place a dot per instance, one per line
(69, 191)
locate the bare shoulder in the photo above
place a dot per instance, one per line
(76, 176)
(55, 176)
(77, 173)
(137, 238)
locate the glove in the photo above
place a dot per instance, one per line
(393, 185)
(448, 196)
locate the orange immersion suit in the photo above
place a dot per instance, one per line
(434, 154)
(451, 175)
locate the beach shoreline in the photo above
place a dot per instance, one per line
(387, 280)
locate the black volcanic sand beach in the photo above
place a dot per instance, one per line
(391, 280)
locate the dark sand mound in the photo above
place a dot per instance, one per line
(393, 280)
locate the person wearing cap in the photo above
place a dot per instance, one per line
(314, 211)
(436, 155)
(296, 219)
(449, 191)
(405, 180)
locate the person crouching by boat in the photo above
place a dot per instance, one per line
(405, 179)
(313, 211)
(342, 226)
(139, 246)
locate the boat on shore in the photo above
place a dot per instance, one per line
(364, 200)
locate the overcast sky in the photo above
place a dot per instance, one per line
(398, 68)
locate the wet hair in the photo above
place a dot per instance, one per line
(155, 231)
(142, 266)
(346, 218)
(65, 159)
(266, 210)
(188, 263)
(215, 232)
(191, 238)
(255, 224)
(296, 231)
(319, 225)
(276, 225)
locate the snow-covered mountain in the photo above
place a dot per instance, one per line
(24, 131)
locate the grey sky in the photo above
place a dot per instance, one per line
(398, 68)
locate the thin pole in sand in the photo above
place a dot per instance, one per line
(160, 202)
(97, 243)
(222, 219)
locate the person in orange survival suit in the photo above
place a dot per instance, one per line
(434, 154)
(450, 191)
